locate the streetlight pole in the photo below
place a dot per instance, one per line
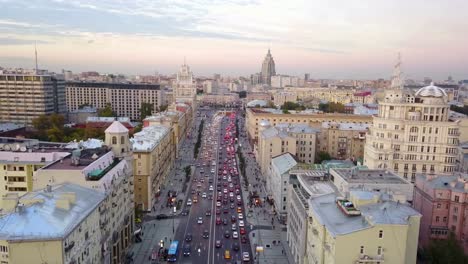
(173, 224)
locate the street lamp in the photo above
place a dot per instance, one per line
(173, 216)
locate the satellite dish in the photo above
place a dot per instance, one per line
(1, 146)
(23, 149)
(7, 147)
(17, 147)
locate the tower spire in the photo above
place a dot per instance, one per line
(35, 53)
(397, 81)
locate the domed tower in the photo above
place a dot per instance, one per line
(117, 139)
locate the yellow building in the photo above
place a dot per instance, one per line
(330, 94)
(30, 233)
(153, 160)
(282, 97)
(363, 229)
(315, 120)
(343, 140)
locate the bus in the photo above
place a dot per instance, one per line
(173, 251)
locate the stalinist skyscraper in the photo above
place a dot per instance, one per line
(268, 68)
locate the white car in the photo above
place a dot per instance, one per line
(241, 216)
(200, 220)
(241, 223)
(189, 202)
(225, 191)
(235, 234)
(211, 187)
(245, 256)
(203, 195)
(231, 194)
(218, 204)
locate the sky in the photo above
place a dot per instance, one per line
(339, 39)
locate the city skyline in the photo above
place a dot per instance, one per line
(327, 39)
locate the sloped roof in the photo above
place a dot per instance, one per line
(116, 127)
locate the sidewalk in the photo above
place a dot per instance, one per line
(272, 237)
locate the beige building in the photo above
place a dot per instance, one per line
(185, 89)
(413, 133)
(343, 140)
(153, 160)
(125, 99)
(109, 170)
(282, 97)
(229, 99)
(315, 120)
(365, 223)
(60, 224)
(330, 94)
(25, 95)
(258, 96)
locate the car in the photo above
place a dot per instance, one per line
(218, 220)
(208, 213)
(185, 212)
(231, 194)
(233, 218)
(206, 234)
(227, 234)
(210, 197)
(231, 206)
(187, 250)
(243, 239)
(195, 199)
(245, 256)
(203, 195)
(189, 202)
(239, 209)
(241, 223)
(225, 221)
(211, 188)
(218, 204)
(235, 246)
(161, 216)
(239, 202)
(227, 254)
(242, 230)
(218, 211)
(225, 210)
(188, 237)
(200, 220)
(241, 216)
(235, 234)
(218, 244)
(193, 191)
(234, 227)
(225, 191)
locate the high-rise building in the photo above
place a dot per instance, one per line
(268, 68)
(412, 132)
(25, 95)
(185, 88)
(125, 99)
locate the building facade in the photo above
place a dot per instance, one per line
(282, 97)
(125, 99)
(277, 181)
(185, 89)
(153, 156)
(412, 132)
(25, 95)
(443, 202)
(343, 140)
(268, 69)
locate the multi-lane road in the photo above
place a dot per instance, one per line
(217, 207)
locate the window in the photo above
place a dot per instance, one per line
(438, 205)
(380, 233)
(444, 219)
(437, 219)
(379, 250)
(122, 140)
(114, 140)
(457, 198)
(362, 250)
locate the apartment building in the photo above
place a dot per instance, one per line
(125, 99)
(25, 95)
(330, 94)
(175, 120)
(226, 100)
(314, 120)
(153, 155)
(109, 170)
(282, 97)
(30, 233)
(343, 140)
(443, 202)
(258, 96)
(412, 132)
(277, 182)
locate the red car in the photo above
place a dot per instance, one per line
(218, 220)
(241, 230)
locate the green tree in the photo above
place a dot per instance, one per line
(49, 127)
(292, 106)
(106, 111)
(321, 156)
(332, 107)
(441, 251)
(146, 110)
(163, 108)
(92, 132)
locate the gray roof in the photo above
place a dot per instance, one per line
(356, 175)
(43, 220)
(443, 182)
(337, 223)
(302, 128)
(284, 162)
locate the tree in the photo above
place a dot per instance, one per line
(49, 127)
(242, 94)
(163, 108)
(441, 251)
(146, 110)
(332, 107)
(106, 111)
(270, 104)
(292, 106)
(321, 156)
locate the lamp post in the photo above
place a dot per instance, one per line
(173, 224)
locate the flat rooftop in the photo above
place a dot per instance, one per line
(43, 220)
(86, 157)
(149, 137)
(133, 86)
(357, 175)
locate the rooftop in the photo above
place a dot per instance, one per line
(346, 126)
(284, 162)
(43, 219)
(149, 137)
(116, 127)
(86, 109)
(356, 175)
(455, 182)
(79, 159)
(107, 119)
(255, 103)
(5, 127)
(90, 143)
(132, 86)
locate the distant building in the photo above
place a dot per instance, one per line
(268, 69)
(60, 224)
(283, 97)
(443, 202)
(343, 140)
(11, 129)
(258, 96)
(80, 115)
(185, 89)
(125, 99)
(104, 122)
(29, 94)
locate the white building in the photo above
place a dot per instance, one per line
(185, 89)
(278, 179)
(412, 132)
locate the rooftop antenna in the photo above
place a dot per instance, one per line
(35, 52)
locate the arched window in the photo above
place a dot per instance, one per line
(122, 140)
(114, 140)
